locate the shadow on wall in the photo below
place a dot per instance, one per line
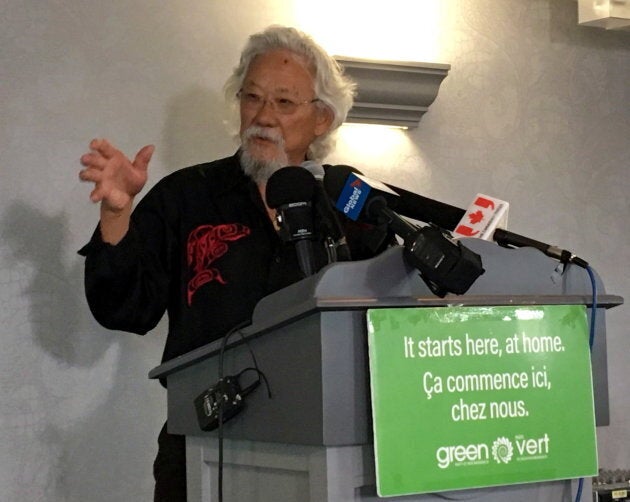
(81, 419)
(55, 290)
(71, 424)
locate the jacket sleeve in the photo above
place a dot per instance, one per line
(127, 284)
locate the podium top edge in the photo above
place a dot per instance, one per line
(603, 301)
(344, 304)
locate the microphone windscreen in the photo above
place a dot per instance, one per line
(288, 185)
(335, 179)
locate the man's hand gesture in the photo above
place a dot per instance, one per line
(117, 180)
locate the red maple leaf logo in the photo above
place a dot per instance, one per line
(475, 217)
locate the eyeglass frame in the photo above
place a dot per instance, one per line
(262, 101)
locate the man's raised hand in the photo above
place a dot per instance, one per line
(117, 180)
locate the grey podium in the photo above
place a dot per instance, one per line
(312, 441)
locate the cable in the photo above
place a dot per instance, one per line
(578, 495)
(591, 340)
(591, 274)
(235, 329)
(261, 375)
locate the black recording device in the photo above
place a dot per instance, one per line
(222, 401)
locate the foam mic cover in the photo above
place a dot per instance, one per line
(289, 185)
(290, 192)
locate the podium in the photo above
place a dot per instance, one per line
(312, 441)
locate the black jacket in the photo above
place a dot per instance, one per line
(200, 247)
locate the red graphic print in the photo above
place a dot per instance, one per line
(466, 231)
(483, 202)
(206, 244)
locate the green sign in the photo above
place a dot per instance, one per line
(468, 397)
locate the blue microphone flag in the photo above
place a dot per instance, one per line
(353, 197)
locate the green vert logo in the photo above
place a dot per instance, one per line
(502, 450)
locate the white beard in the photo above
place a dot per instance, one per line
(258, 169)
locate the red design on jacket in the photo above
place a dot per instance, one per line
(206, 244)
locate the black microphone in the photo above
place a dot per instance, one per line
(506, 238)
(448, 217)
(418, 207)
(290, 192)
(445, 265)
(360, 198)
(425, 209)
(339, 249)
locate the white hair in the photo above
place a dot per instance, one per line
(333, 89)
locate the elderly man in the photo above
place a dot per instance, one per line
(201, 245)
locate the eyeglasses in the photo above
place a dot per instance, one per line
(282, 105)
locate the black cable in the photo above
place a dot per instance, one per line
(235, 329)
(223, 398)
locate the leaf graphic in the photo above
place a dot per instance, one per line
(475, 217)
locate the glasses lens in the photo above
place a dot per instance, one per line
(282, 105)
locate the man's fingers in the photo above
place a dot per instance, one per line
(104, 191)
(143, 157)
(90, 174)
(96, 195)
(103, 147)
(116, 179)
(115, 199)
(93, 160)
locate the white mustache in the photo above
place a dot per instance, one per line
(268, 133)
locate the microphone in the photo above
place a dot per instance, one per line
(290, 192)
(417, 207)
(339, 246)
(357, 199)
(506, 238)
(444, 265)
(425, 209)
(448, 217)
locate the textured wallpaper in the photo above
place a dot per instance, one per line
(535, 110)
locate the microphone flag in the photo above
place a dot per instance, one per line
(355, 194)
(484, 215)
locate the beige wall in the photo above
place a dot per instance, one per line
(535, 110)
